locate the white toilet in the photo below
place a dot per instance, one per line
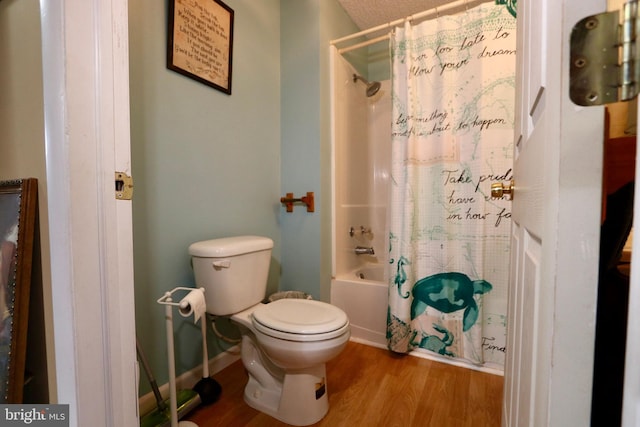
(285, 343)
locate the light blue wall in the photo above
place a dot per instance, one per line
(300, 149)
(379, 61)
(307, 28)
(207, 164)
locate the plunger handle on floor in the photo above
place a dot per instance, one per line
(207, 388)
(205, 353)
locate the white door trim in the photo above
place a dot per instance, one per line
(85, 63)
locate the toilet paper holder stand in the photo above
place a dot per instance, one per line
(186, 311)
(182, 305)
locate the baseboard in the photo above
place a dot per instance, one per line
(370, 343)
(489, 369)
(187, 380)
(493, 369)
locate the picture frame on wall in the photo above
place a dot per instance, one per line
(18, 208)
(200, 41)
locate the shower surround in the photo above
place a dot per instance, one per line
(361, 162)
(362, 182)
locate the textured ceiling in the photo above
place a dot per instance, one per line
(371, 13)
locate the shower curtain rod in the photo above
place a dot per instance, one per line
(426, 13)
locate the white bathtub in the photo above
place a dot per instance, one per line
(363, 295)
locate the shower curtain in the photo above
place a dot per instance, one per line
(453, 95)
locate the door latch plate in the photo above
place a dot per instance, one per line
(124, 186)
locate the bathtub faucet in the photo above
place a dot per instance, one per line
(361, 250)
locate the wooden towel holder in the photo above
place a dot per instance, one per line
(289, 200)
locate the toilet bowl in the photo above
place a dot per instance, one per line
(285, 353)
(297, 334)
(285, 343)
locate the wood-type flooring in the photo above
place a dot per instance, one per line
(369, 386)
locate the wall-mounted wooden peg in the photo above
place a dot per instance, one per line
(308, 200)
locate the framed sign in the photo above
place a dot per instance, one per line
(200, 41)
(18, 205)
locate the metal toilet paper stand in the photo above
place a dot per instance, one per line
(169, 303)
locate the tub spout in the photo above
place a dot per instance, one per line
(361, 250)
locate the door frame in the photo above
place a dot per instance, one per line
(86, 99)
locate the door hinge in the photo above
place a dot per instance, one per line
(124, 186)
(605, 59)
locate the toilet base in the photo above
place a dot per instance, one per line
(301, 401)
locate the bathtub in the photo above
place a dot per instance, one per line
(363, 295)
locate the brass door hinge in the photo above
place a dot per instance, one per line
(124, 186)
(605, 58)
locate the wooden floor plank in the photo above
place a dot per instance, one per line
(369, 386)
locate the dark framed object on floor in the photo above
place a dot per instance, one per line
(200, 41)
(18, 207)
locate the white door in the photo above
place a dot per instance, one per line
(556, 224)
(86, 96)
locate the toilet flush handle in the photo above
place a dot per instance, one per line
(224, 263)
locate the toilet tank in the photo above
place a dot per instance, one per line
(233, 271)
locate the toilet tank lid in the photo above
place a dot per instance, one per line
(229, 246)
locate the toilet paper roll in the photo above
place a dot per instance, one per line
(193, 303)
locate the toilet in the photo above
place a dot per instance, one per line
(285, 343)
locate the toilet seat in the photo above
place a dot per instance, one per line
(300, 320)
